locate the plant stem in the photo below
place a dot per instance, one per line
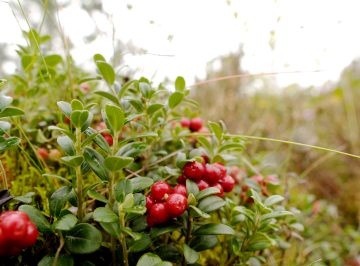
(79, 187)
(123, 240)
(188, 235)
(62, 242)
(3, 172)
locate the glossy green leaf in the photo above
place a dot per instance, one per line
(95, 195)
(57, 200)
(206, 144)
(8, 143)
(67, 145)
(65, 223)
(216, 129)
(35, 216)
(99, 57)
(11, 111)
(108, 96)
(169, 253)
(200, 243)
(115, 116)
(273, 200)
(172, 172)
(105, 215)
(180, 84)
(191, 256)
(83, 239)
(161, 229)
(98, 140)
(191, 187)
(87, 123)
(73, 161)
(65, 108)
(148, 259)
(79, 118)
(218, 159)
(60, 178)
(96, 163)
(116, 163)
(135, 236)
(144, 89)
(140, 183)
(4, 127)
(5, 101)
(230, 146)
(207, 192)
(135, 210)
(27, 198)
(175, 99)
(122, 188)
(87, 79)
(139, 200)
(139, 245)
(112, 228)
(139, 135)
(277, 214)
(214, 229)
(196, 212)
(106, 71)
(259, 241)
(92, 137)
(93, 185)
(211, 204)
(53, 60)
(133, 149)
(66, 132)
(154, 108)
(63, 260)
(129, 201)
(125, 88)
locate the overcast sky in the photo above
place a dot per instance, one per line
(309, 34)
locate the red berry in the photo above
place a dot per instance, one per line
(221, 167)
(221, 194)
(196, 123)
(4, 245)
(206, 159)
(185, 122)
(270, 179)
(14, 227)
(244, 188)
(202, 184)
(212, 174)
(30, 237)
(158, 213)
(235, 170)
(194, 171)
(103, 126)
(14, 251)
(257, 178)
(159, 189)
(204, 130)
(85, 87)
(109, 139)
(150, 221)
(227, 182)
(6, 214)
(66, 120)
(242, 195)
(43, 153)
(149, 203)
(175, 205)
(54, 155)
(182, 180)
(180, 189)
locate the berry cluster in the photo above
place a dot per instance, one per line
(262, 182)
(164, 204)
(195, 124)
(208, 175)
(16, 233)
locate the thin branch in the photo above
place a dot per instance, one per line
(315, 262)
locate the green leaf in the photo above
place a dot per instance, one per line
(65, 223)
(133, 149)
(140, 245)
(139, 107)
(105, 215)
(191, 187)
(95, 195)
(259, 241)
(8, 143)
(92, 137)
(161, 229)
(180, 84)
(96, 163)
(108, 96)
(72, 198)
(175, 99)
(139, 200)
(191, 256)
(67, 145)
(26, 60)
(83, 239)
(5, 101)
(218, 159)
(129, 201)
(37, 218)
(57, 200)
(94, 185)
(148, 259)
(195, 212)
(53, 60)
(275, 215)
(169, 253)
(115, 116)
(248, 213)
(139, 135)
(192, 102)
(73, 161)
(87, 123)
(135, 210)
(98, 140)
(211, 204)
(99, 57)
(172, 172)
(206, 144)
(207, 192)
(154, 108)
(63, 260)
(4, 127)
(65, 108)
(229, 146)
(106, 71)
(79, 118)
(89, 106)
(252, 184)
(86, 79)
(27, 198)
(66, 132)
(132, 117)
(125, 88)
(200, 243)
(216, 129)
(135, 236)
(112, 228)
(116, 163)
(59, 177)
(214, 229)
(122, 188)
(76, 105)
(273, 200)
(140, 183)
(144, 89)
(11, 111)
(297, 226)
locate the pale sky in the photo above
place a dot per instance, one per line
(310, 35)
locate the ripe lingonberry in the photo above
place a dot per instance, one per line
(185, 122)
(149, 203)
(66, 120)
(221, 194)
(158, 213)
(194, 170)
(235, 169)
(206, 159)
(176, 205)
(202, 184)
(4, 245)
(257, 178)
(150, 221)
(221, 167)
(13, 227)
(54, 155)
(182, 180)
(180, 189)
(196, 123)
(30, 237)
(270, 179)
(212, 174)
(43, 153)
(227, 182)
(109, 139)
(159, 189)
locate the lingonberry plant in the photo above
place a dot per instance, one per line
(130, 175)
